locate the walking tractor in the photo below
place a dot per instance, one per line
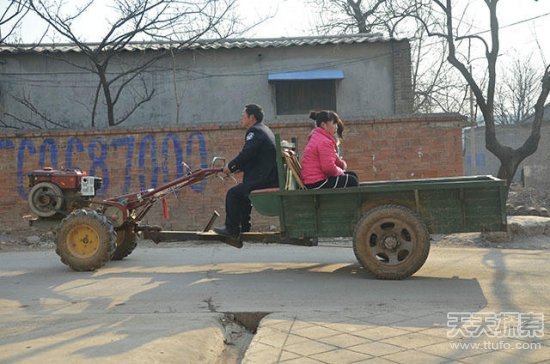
(54, 191)
(390, 221)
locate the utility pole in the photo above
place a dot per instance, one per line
(473, 142)
(473, 123)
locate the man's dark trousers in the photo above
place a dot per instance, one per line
(237, 209)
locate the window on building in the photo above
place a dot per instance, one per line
(301, 92)
(300, 97)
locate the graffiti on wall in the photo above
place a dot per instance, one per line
(152, 152)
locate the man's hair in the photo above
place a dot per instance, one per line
(256, 110)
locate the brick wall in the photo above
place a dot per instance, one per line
(402, 78)
(130, 160)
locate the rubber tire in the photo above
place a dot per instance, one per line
(55, 190)
(419, 236)
(126, 242)
(101, 226)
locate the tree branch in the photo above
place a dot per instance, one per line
(148, 96)
(29, 105)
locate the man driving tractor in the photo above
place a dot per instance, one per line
(257, 161)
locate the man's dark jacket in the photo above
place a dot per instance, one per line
(257, 158)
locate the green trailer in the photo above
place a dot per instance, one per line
(390, 221)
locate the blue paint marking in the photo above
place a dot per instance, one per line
(165, 156)
(198, 187)
(148, 139)
(25, 144)
(127, 142)
(72, 143)
(48, 145)
(6, 144)
(98, 161)
(97, 151)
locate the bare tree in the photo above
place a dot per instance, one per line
(349, 16)
(12, 14)
(485, 98)
(435, 85)
(175, 22)
(516, 93)
(43, 122)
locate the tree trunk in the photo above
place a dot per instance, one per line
(107, 94)
(509, 163)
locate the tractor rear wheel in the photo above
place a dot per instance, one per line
(391, 242)
(85, 240)
(45, 199)
(126, 242)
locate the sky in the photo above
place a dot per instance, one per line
(287, 18)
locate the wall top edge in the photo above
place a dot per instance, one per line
(450, 120)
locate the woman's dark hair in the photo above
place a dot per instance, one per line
(256, 110)
(339, 128)
(325, 116)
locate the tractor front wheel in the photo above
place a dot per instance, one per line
(85, 240)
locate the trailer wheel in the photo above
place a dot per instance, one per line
(391, 242)
(45, 199)
(126, 242)
(85, 240)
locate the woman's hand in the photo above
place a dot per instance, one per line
(341, 163)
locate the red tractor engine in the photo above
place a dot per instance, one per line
(60, 191)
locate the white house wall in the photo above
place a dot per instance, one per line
(212, 85)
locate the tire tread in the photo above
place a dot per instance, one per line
(379, 271)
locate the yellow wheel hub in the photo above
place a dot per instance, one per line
(83, 241)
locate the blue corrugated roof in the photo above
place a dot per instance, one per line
(306, 75)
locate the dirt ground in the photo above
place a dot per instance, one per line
(528, 197)
(32, 240)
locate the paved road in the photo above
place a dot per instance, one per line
(164, 305)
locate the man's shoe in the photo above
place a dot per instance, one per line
(222, 230)
(232, 238)
(233, 242)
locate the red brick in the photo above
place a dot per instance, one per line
(394, 142)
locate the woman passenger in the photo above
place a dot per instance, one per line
(321, 165)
